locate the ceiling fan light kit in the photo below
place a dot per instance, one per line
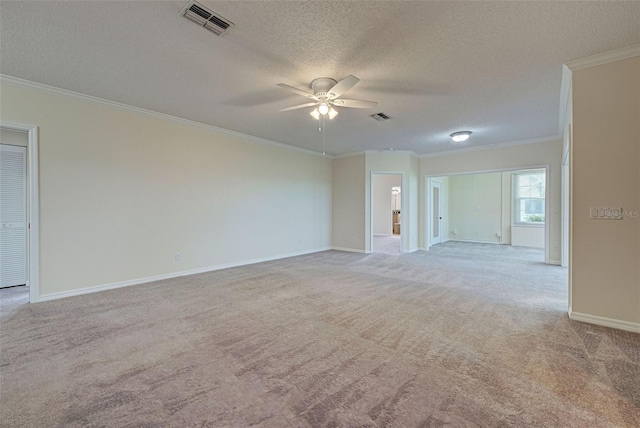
(323, 108)
(461, 136)
(326, 93)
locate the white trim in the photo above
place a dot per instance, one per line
(555, 262)
(565, 90)
(515, 210)
(605, 58)
(606, 322)
(349, 250)
(432, 184)
(34, 207)
(455, 151)
(547, 215)
(493, 146)
(475, 241)
(138, 281)
(26, 84)
(487, 171)
(389, 152)
(348, 155)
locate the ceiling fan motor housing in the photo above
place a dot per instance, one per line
(321, 86)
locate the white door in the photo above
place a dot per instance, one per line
(13, 215)
(435, 213)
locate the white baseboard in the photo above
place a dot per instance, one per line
(479, 241)
(606, 322)
(554, 262)
(350, 250)
(137, 281)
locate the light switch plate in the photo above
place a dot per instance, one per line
(606, 213)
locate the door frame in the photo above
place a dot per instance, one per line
(435, 183)
(404, 204)
(428, 178)
(33, 210)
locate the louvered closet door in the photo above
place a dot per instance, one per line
(13, 215)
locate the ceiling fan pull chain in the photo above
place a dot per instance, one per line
(323, 139)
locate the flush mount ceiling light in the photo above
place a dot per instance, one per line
(461, 136)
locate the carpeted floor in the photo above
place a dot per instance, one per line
(465, 335)
(11, 298)
(386, 244)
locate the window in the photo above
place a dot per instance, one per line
(528, 197)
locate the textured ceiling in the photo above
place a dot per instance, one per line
(493, 68)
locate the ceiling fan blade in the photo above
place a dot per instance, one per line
(343, 86)
(296, 90)
(355, 103)
(298, 106)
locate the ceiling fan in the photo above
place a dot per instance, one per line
(326, 95)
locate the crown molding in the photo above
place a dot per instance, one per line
(604, 58)
(40, 87)
(390, 152)
(410, 153)
(455, 151)
(493, 146)
(348, 155)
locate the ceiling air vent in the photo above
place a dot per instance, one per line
(206, 18)
(380, 117)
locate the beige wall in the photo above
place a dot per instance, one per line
(121, 193)
(605, 268)
(514, 157)
(480, 208)
(352, 198)
(349, 203)
(408, 165)
(475, 207)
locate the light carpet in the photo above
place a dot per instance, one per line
(386, 244)
(464, 335)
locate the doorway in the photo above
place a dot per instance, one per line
(19, 224)
(13, 210)
(436, 215)
(508, 207)
(386, 213)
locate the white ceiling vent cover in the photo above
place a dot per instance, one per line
(206, 18)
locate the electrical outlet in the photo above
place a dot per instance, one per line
(178, 257)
